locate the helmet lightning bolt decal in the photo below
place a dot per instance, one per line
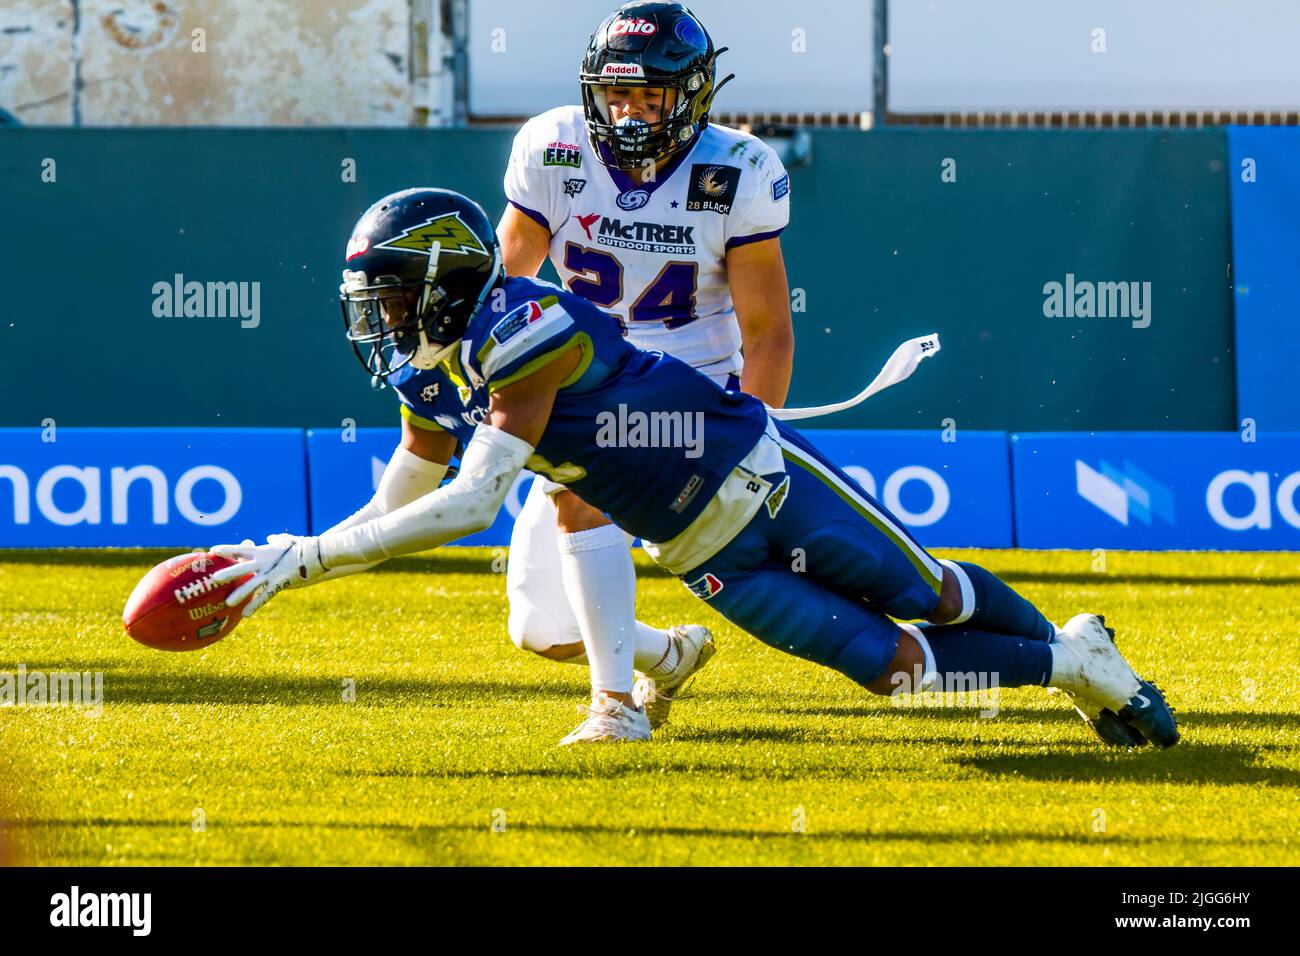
(446, 230)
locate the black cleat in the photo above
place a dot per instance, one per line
(1149, 714)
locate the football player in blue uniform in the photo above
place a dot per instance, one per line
(742, 507)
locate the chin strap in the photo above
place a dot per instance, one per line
(428, 355)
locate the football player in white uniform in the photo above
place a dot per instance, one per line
(669, 224)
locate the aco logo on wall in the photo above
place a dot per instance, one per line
(1157, 491)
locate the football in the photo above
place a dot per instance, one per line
(177, 606)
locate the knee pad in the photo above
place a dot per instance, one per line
(533, 629)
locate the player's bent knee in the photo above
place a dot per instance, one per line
(951, 602)
(910, 668)
(573, 514)
(532, 629)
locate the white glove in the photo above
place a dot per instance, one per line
(285, 561)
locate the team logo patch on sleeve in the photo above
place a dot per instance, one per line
(705, 587)
(713, 188)
(516, 322)
(780, 188)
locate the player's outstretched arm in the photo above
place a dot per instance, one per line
(493, 459)
(517, 417)
(761, 297)
(415, 469)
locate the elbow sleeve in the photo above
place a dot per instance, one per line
(406, 478)
(467, 504)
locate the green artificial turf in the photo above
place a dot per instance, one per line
(248, 752)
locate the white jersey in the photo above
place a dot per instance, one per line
(652, 255)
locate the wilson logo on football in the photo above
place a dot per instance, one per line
(637, 27)
(199, 613)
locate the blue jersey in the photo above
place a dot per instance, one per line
(639, 435)
(441, 399)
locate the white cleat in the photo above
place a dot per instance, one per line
(1094, 671)
(1123, 709)
(695, 648)
(609, 721)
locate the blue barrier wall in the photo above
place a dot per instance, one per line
(950, 493)
(1264, 172)
(168, 487)
(1157, 492)
(195, 487)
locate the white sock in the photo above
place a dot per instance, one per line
(600, 582)
(1065, 667)
(656, 652)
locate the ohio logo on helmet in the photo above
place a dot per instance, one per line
(448, 230)
(358, 245)
(637, 27)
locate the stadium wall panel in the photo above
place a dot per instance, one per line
(949, 56)
(895, 233)
(1157, 492)
(149, 487)
(954, 493)
(189, 488)
(886, 249)
(1264, 170)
